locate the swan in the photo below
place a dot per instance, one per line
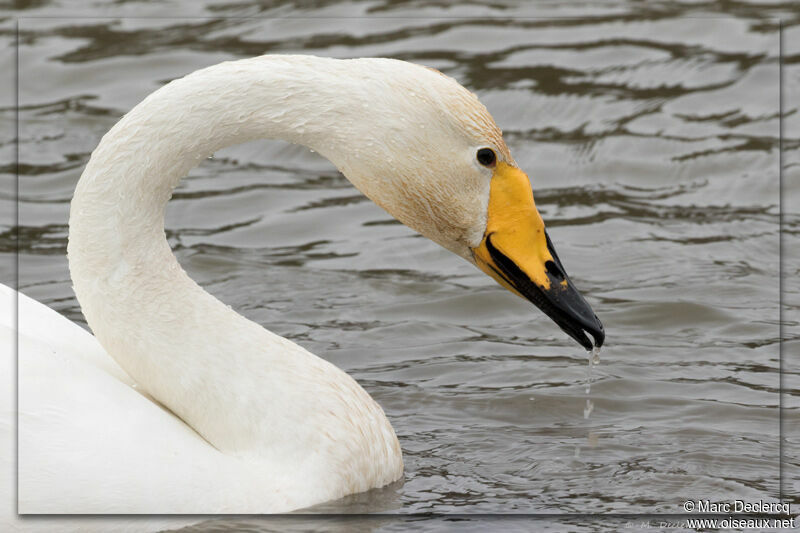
(177, 404)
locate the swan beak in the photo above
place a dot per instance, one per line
(516, 251)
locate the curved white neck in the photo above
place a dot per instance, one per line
(234, 382)
(132, 173)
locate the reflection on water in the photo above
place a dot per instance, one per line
(650, 131)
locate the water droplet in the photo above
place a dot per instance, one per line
(588, 409)
(593, 359)
(596, 355)
(589, 375)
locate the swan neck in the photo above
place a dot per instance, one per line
(131, 175)
(237, 384)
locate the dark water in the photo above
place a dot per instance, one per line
(651, 132)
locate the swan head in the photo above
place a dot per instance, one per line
(426, 150)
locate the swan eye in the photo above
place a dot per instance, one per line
(486, 157)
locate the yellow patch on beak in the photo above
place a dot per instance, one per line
(515, 228)
(517, 253)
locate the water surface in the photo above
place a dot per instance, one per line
(651, 135)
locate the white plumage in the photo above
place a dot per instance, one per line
(260, 425)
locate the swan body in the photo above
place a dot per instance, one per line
(178, 404)
(70, 386)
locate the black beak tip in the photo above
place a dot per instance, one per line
(581, 333)
(561, 301)
(599, 334)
